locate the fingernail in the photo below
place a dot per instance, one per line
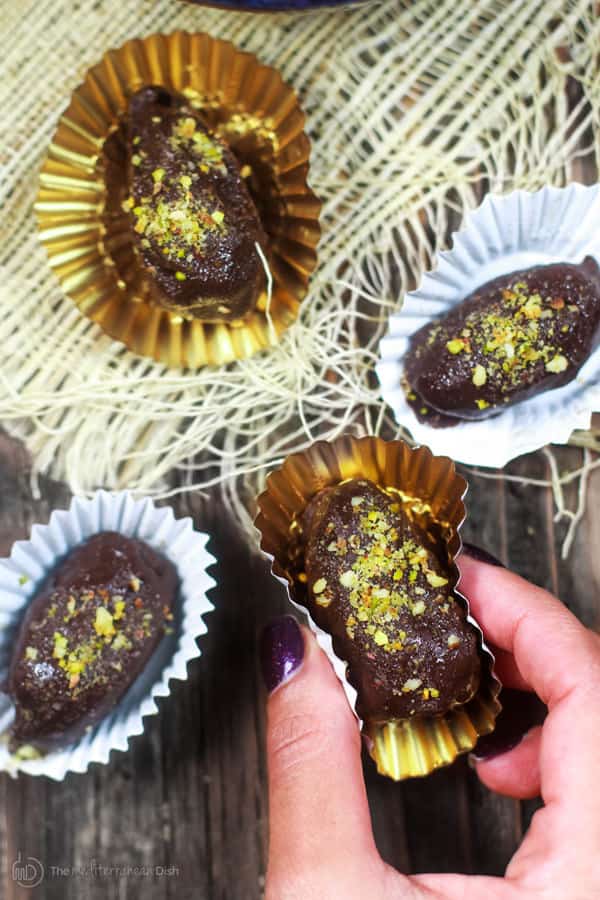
(521, 711)
(482, 555)
(281, 651)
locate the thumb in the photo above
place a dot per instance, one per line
(321, 842)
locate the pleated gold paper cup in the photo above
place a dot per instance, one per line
(431, 488)
(86, 234)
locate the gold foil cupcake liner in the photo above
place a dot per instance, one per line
(435, 492)
(87, 237)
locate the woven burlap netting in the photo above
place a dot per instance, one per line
(414, 110)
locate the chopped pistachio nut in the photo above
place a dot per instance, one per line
(121, 642)
(119, 606)
(319, 585)
(31, 653)
(60, 645)
(436, 580)
(479, 376)
(412, 684)
(380, 638)
(418, 608)
(180, 276)
(348, 579)
(455, 346)
(557, 364)
(357, 501)
(134, 583)
(176, 222)
(453, 641)
(103, 623)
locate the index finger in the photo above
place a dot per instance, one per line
(560, 659)
(554, 652)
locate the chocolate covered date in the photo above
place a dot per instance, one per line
(511, 339)
(195, 224)
(86, 636)
(376, 584)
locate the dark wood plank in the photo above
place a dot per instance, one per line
(191, 792)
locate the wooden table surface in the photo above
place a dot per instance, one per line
(190, 793)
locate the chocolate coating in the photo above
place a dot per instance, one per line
(196, 226)
(87, 634)
(377, 585)
(513, 338)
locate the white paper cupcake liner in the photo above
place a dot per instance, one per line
(31, 561)
(504, 234)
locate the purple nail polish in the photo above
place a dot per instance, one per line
(521, 711)
(281, 651)
(482, 555)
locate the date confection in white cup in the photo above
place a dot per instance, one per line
(22, 573)
(506, 233)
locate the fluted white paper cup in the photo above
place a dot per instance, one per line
(506, 233)
(31, 561)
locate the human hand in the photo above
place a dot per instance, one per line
(321, 841)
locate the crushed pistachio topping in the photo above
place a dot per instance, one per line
(412, 684)
(110, 625)
(178, 221)
(176, 216)
(196, 141)
(121, 642)
(380, 557)
(453, 641)
(510, 336)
